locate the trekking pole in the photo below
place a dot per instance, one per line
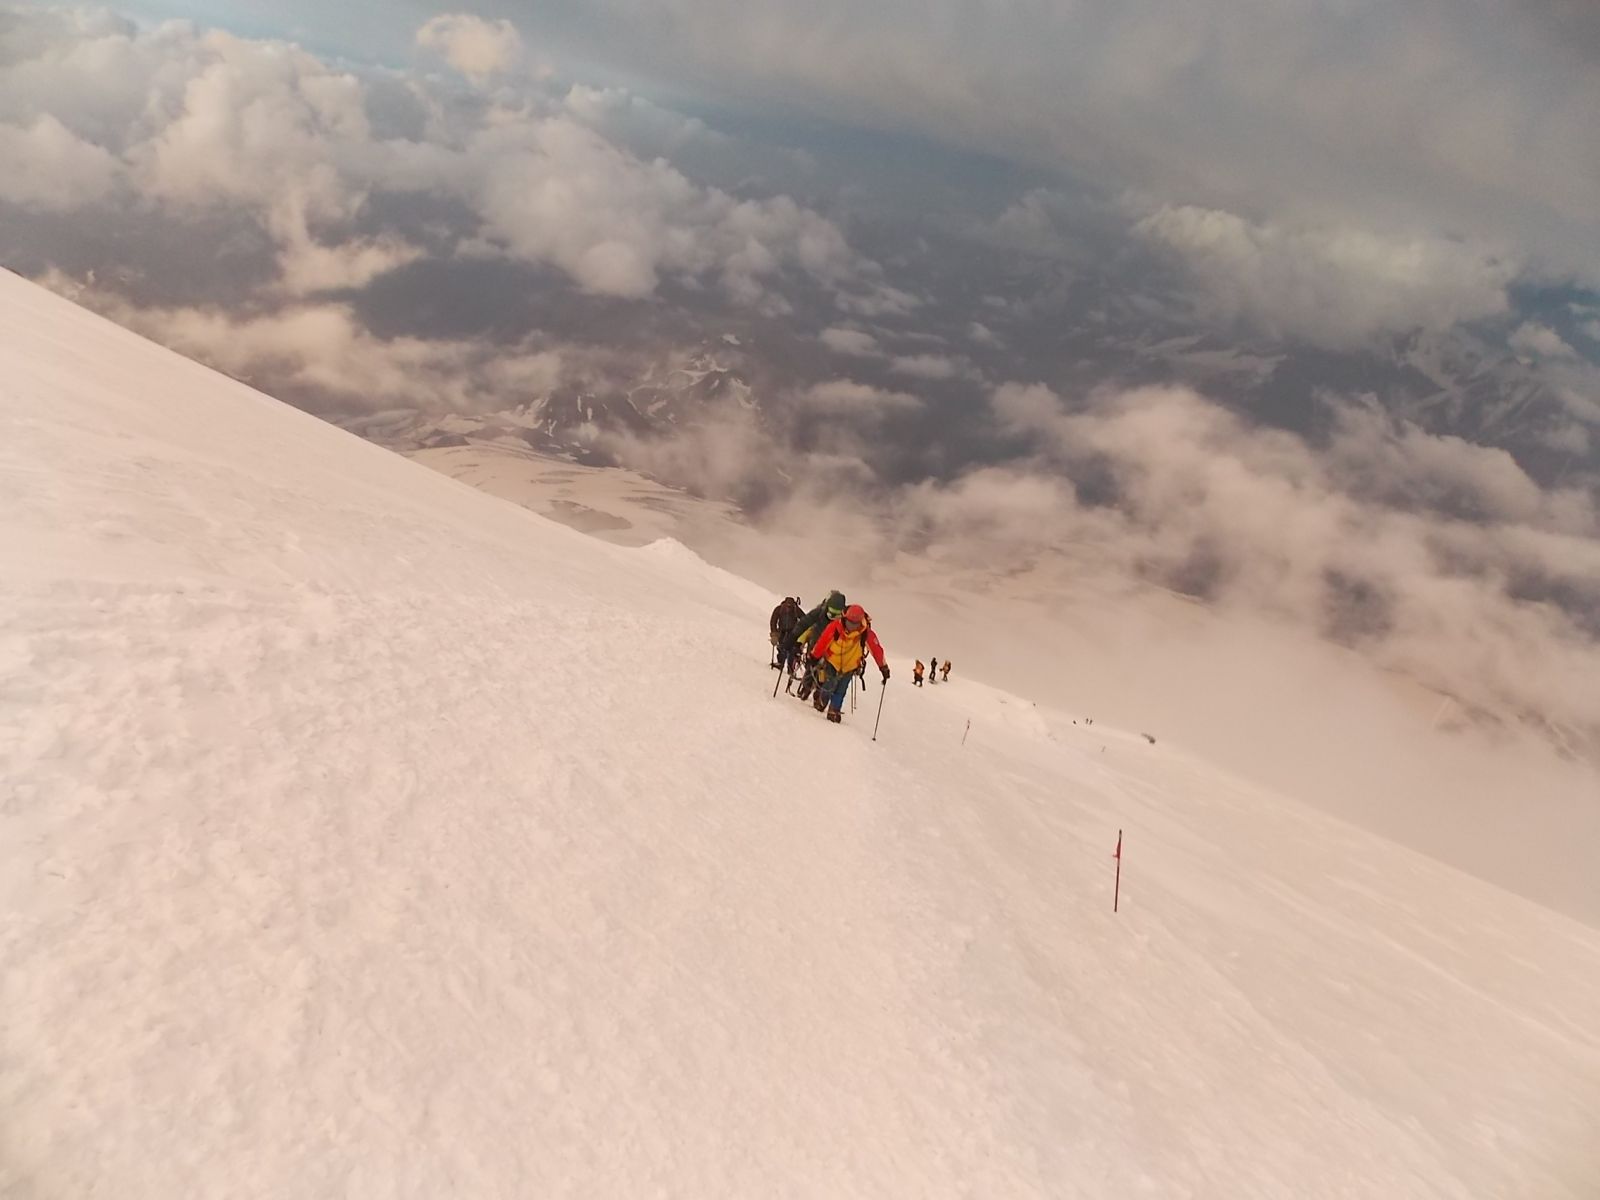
(781, 673)
(881, 691)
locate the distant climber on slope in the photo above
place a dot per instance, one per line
(836, 656)
(916, 674)
(944, 671)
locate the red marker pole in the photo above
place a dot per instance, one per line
(1116, 894)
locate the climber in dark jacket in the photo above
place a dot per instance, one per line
(810, 628)
(785, 624)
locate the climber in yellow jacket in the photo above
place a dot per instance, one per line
(838, 653)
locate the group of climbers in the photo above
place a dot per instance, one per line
(832, 641)
(826, 648)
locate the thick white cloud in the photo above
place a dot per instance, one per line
(632, 120)
(980, 333)
(307, 267)
(726, 453)
(229, 125)
(926, 366)
(848, 396)
(1034, 225)
(1334, 287)
(92, 71)
(878, 300)
(259, 124)
(49, 167)
(1005, 506)
(856, 342)
(324, 349)
(1378, 459)
(553, 190)
(479, 49)
(1540, 341)
(1434, 554)
(212, 123)
(1571, 438)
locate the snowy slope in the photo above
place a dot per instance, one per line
(362, 835)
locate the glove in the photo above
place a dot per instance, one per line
(885, 670)
(774, 639)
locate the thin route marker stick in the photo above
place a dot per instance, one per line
(1116, 894)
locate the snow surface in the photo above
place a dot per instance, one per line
(363, 835)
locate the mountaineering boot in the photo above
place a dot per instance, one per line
(834, 717)
(819, 701)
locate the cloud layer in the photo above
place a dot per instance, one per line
(191, 122)
(1417, 118)
(1331, 287)
(477, 48)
